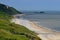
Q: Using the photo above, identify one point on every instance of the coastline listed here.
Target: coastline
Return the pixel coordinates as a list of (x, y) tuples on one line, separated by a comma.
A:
[(44, 34), (39, 26)]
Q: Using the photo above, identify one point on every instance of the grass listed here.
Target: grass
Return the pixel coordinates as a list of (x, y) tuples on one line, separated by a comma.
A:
[(12, 31)]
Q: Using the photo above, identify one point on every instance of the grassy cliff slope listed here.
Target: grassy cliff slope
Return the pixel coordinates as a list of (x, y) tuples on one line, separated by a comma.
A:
[(12, 31)]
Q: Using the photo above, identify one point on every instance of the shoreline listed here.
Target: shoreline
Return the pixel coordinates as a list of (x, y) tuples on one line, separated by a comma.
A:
[(43, 33), (44, 27)]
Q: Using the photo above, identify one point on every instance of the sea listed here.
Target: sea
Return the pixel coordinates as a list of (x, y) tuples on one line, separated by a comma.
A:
[(50, 20)]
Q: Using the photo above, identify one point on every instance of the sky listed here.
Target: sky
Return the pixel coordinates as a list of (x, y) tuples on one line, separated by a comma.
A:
[(33, 4)]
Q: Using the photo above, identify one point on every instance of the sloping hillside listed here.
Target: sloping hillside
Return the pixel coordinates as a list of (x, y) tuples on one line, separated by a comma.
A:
[(7, 9), (12, 31)]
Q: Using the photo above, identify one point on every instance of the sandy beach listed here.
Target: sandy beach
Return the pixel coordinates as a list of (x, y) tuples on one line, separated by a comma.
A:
[(43, 33)]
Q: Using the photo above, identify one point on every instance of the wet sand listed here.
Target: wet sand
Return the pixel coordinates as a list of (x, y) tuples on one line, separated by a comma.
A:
[(43, 33)]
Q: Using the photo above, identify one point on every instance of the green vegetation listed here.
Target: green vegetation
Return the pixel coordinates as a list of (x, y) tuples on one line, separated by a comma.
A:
[(9, 10), (12, 31)]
